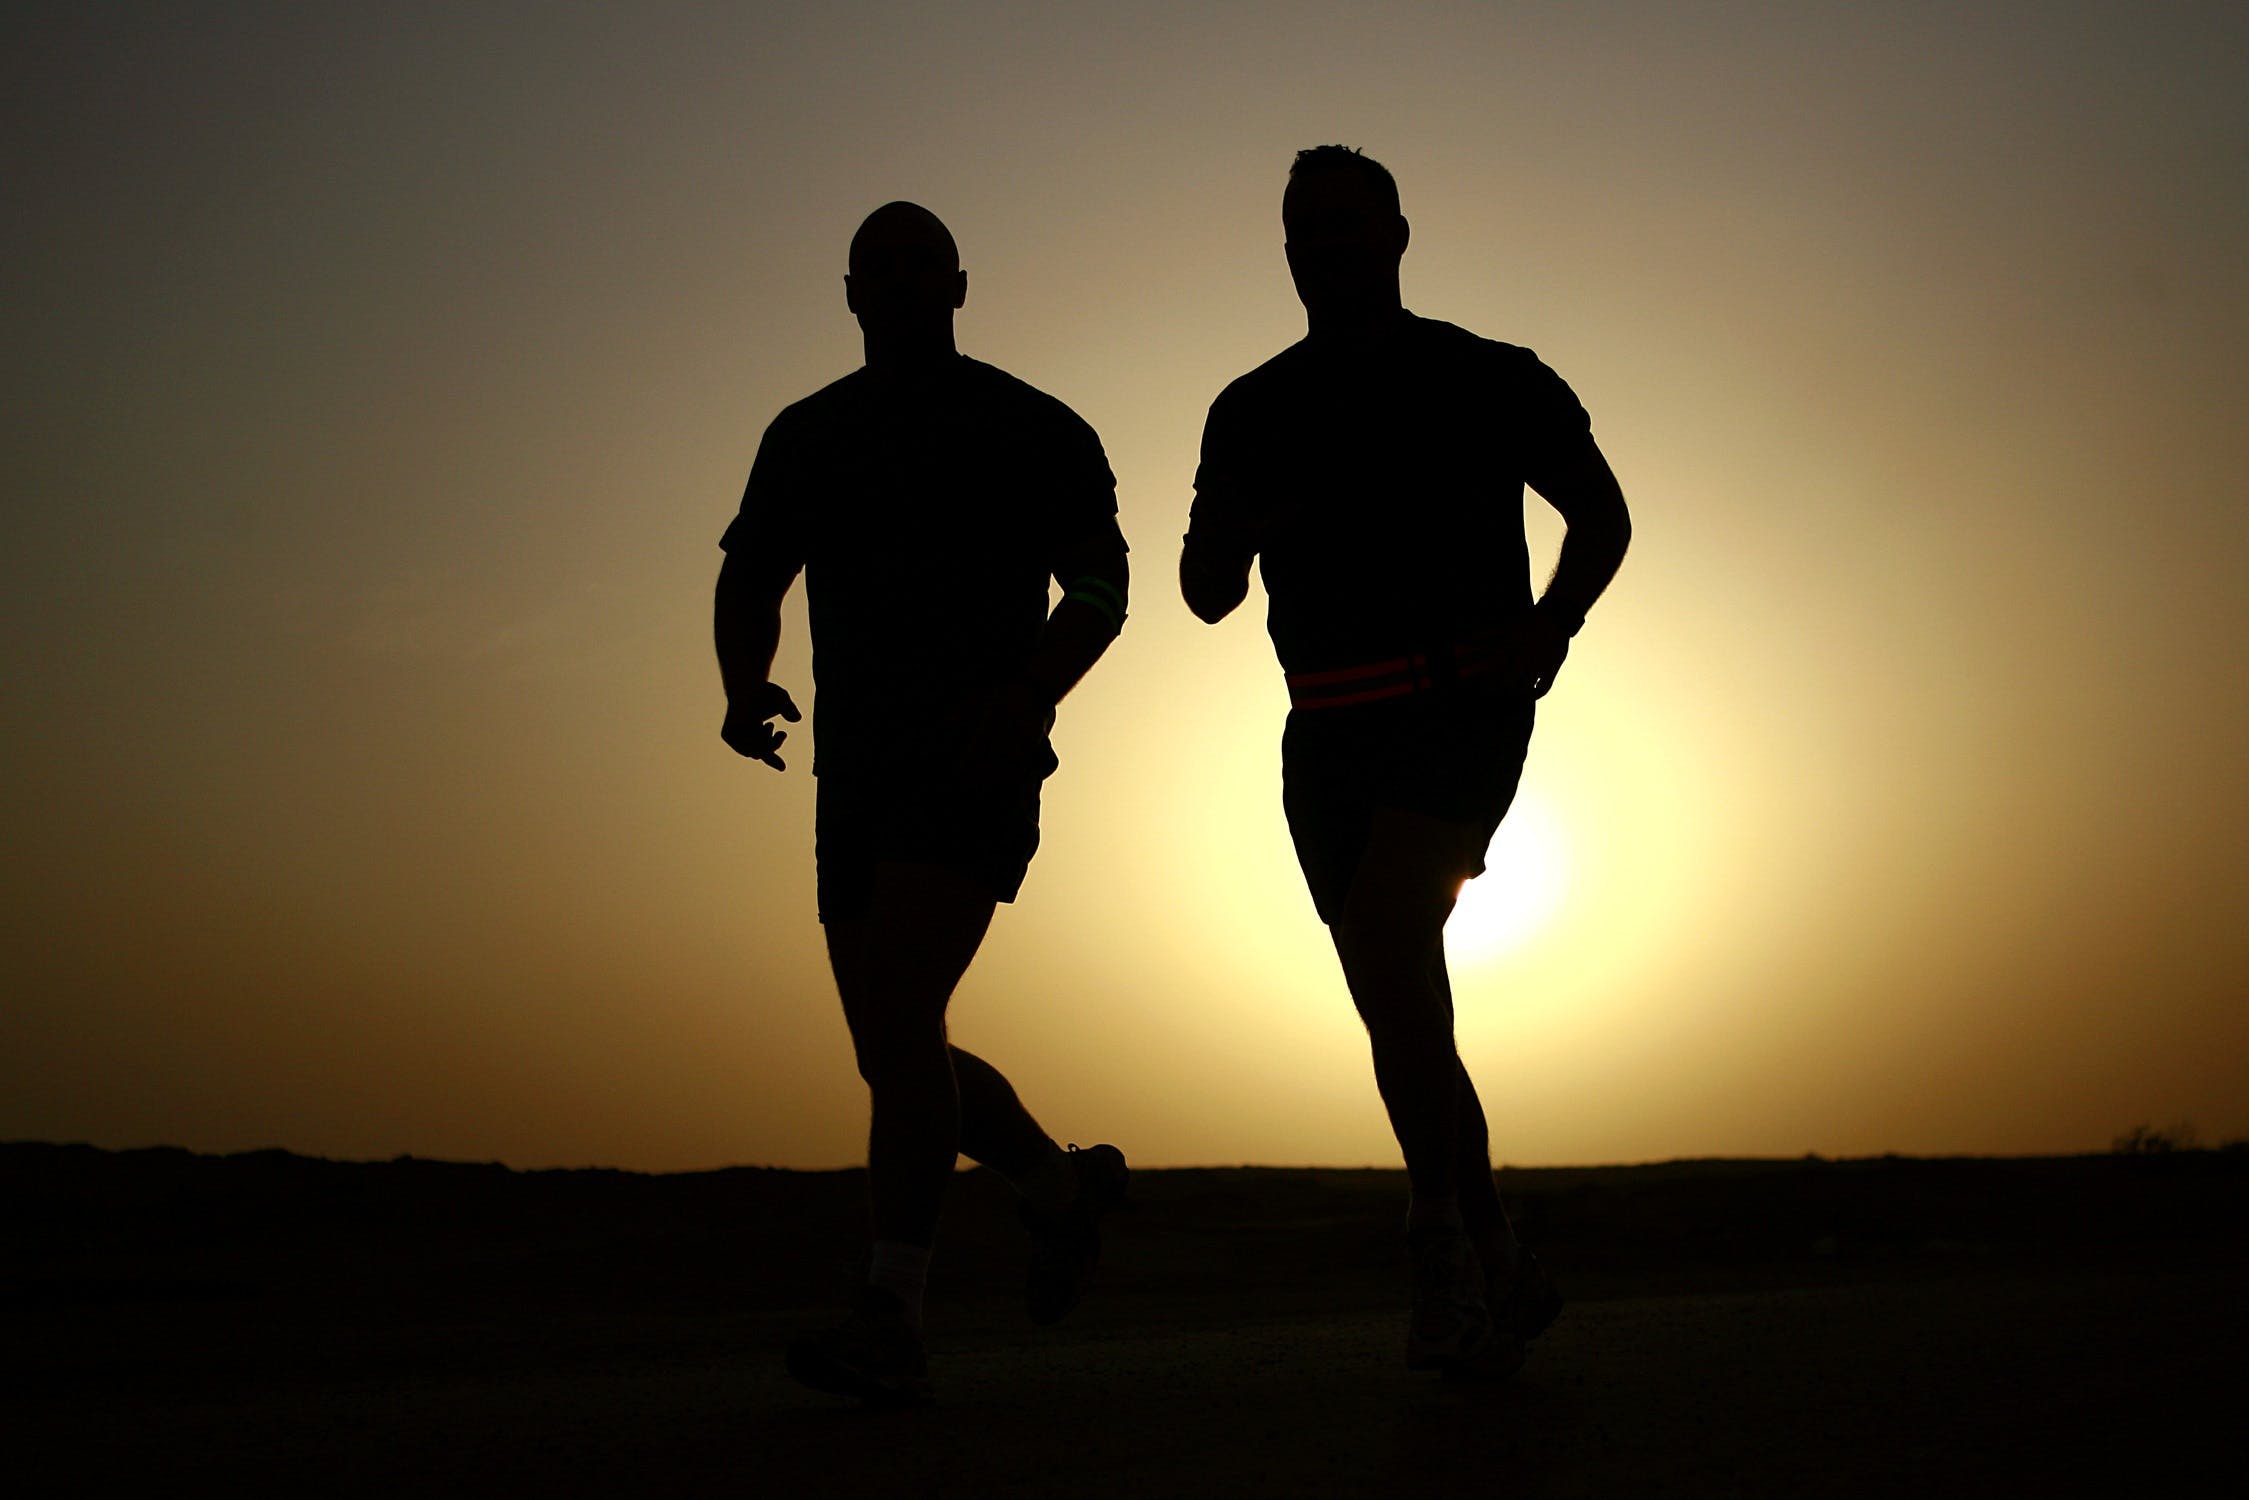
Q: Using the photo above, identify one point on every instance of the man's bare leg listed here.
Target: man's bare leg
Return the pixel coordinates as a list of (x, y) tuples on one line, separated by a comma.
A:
[(1390, 938), (996, 1130), (896, 969), (1480, 1210), (1520, 1297)]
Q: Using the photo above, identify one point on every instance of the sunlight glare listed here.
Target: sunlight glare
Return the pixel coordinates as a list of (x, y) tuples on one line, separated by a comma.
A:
[(1524, 878)]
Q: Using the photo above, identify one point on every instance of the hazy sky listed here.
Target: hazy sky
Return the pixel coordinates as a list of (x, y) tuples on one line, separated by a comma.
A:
[(379, 379)]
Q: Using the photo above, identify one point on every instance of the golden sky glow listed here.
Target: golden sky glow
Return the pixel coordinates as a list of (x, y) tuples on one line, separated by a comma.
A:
[(381, 378)]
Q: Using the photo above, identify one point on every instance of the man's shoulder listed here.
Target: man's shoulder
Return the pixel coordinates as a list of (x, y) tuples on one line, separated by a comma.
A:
[(1270, 380), (837, 401), (1454, 341), (996, 386)]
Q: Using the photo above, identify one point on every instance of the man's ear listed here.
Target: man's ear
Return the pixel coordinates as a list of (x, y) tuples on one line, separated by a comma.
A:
[(850, 298), (1405, 234), (960, 289)]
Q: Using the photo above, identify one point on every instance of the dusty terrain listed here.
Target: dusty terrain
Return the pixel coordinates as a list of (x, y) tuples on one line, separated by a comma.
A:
[(1788, 1328)]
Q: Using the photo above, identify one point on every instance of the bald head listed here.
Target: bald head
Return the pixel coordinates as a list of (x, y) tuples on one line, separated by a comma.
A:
[(902, 228), (905, 281), (1345, 235)]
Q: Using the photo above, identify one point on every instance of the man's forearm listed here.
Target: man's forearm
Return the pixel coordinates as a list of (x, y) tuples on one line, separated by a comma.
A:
[(1584, 490), (1079, 630), (1592, 550), (746, 629)]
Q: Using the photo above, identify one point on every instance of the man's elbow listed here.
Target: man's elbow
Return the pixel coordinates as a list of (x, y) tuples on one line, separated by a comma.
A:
[(1602, 519)]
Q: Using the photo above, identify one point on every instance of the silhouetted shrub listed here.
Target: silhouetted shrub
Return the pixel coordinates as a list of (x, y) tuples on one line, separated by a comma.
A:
[(2146, 1140)]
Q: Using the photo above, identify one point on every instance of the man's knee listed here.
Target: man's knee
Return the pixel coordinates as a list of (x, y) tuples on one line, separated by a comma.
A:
[(890, 1048)]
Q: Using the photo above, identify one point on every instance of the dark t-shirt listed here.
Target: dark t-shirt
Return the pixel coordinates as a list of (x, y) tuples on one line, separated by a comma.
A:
[(1382, 488), (928, 518)]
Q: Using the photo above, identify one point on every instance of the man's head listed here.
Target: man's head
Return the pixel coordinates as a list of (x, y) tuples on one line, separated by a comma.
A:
[(905, 277), (1345, 232)]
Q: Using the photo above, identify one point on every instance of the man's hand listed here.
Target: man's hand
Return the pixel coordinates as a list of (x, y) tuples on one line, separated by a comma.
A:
[(1542, 645), (748, 728)]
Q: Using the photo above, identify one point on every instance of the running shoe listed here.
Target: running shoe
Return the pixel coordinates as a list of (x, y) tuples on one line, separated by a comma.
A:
[(875, 1355), (1066, 1242), (1449, 1316), (1527, 1309), (1532, 1302)]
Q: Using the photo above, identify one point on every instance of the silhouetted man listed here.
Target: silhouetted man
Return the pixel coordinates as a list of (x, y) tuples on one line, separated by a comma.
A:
[(928, 498), (1377, 469)]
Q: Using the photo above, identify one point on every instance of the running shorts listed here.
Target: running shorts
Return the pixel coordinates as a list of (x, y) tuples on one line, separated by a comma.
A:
[(1455, 754), (984, 829)]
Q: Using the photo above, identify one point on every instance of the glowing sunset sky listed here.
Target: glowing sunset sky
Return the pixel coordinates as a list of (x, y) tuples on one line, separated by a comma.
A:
[(380, 378)]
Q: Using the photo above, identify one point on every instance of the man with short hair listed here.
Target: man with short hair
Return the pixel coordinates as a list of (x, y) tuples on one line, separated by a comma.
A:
[(928, 498), (1376, 468)]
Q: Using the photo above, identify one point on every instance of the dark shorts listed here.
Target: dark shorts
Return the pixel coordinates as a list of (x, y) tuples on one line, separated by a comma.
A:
[(984, 830), (1456, 756)]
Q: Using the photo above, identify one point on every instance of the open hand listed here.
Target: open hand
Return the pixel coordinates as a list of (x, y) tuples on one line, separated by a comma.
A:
[(748, 729)]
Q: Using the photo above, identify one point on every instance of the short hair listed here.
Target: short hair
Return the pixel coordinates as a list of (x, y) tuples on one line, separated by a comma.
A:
[(1317, 160)]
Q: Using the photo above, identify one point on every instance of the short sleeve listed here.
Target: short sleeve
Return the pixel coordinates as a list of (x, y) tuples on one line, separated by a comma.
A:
[(771, 525), (1081, 489), (1222, 513), (1553, 422)]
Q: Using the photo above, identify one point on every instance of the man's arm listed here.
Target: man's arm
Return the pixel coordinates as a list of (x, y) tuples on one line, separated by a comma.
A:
[(1095, 579), (1227, 523), (746, 627), (1598, 529), (1015, 722)]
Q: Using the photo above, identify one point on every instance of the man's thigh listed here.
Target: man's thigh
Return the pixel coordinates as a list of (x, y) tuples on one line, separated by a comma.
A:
[(1407, 879), (1417, 773), (900, 961)]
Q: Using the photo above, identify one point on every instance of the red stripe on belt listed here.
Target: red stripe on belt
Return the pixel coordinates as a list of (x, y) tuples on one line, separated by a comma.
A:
[(1399, 677)]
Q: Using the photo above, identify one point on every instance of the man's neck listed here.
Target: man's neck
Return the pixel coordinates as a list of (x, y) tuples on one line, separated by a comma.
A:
[(904, 357), (1360, 326)]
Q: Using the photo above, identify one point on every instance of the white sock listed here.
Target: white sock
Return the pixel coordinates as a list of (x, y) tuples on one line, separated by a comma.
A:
[(903, 1271), (1053, 1183), (1433, 1211)]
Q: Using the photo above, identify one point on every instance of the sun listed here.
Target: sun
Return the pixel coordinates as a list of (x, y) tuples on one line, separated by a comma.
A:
[(1525, 874)]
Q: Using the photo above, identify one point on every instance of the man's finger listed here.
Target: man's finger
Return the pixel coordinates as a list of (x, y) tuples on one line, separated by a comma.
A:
[(774, 761), (789, 709)]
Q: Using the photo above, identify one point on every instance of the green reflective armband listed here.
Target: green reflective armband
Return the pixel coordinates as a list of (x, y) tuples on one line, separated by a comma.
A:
[(1101, 595)]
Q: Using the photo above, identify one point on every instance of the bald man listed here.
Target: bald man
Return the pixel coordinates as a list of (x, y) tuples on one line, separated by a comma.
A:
[(1375, 471), (929, 499)]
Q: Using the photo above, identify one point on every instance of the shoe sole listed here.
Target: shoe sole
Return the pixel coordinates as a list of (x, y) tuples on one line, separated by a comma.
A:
[(813, 1368), (1488, 1363), (1531, 1318), (1443, 1356)]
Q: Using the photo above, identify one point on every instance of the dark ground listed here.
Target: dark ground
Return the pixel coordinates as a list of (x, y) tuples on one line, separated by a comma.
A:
[(273, 1323)]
